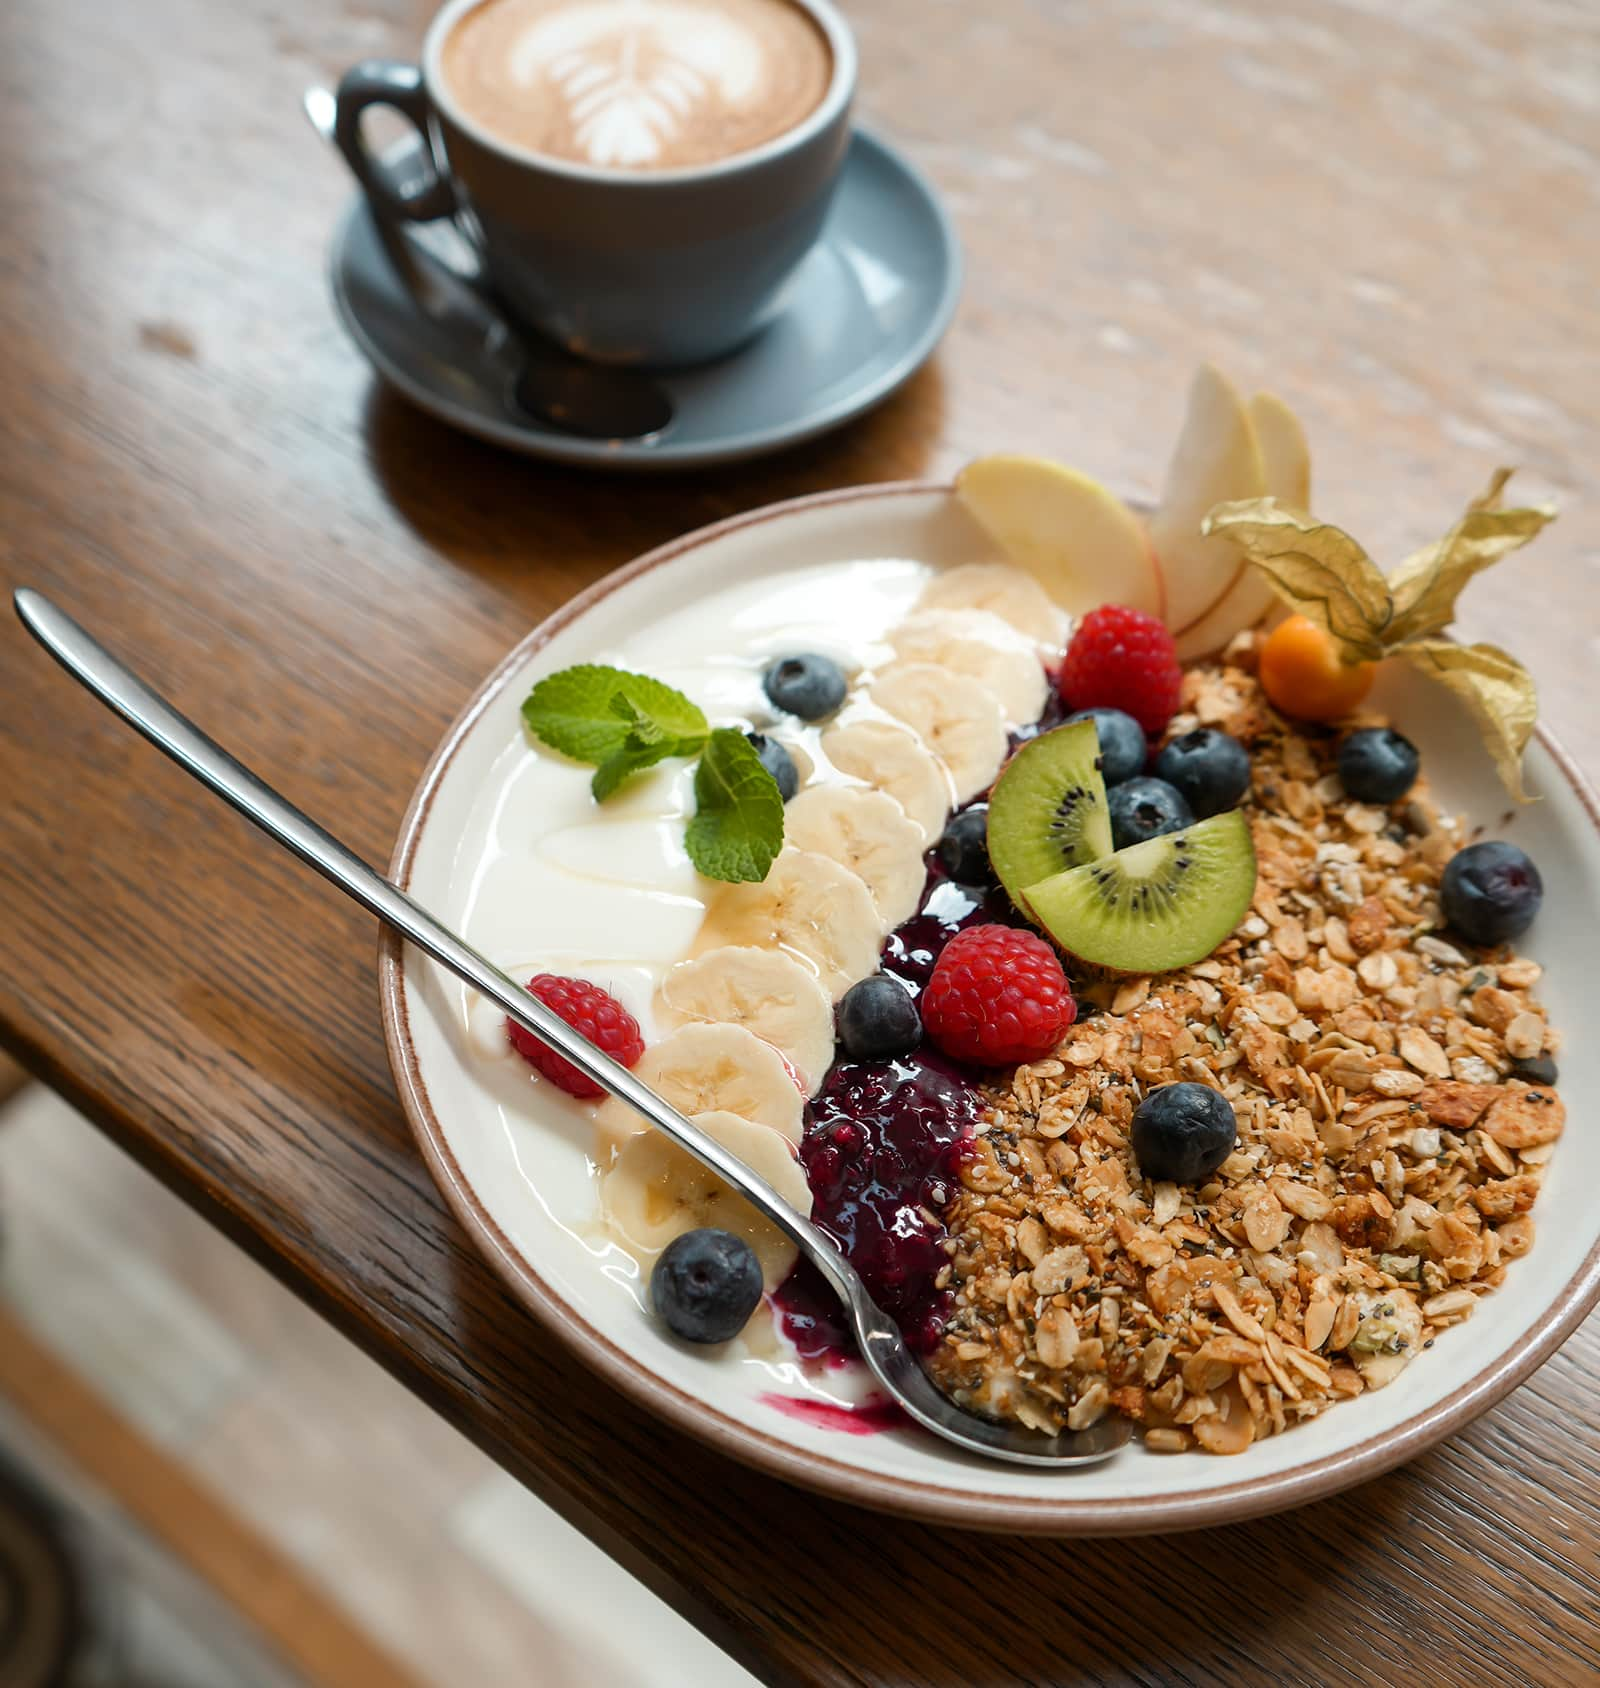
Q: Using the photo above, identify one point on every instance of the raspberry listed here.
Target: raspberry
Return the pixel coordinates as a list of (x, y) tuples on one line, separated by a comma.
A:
[(588, 1009), (997, 995), (1122, 659)]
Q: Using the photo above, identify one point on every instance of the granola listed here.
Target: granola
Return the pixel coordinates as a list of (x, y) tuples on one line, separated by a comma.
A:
[(1387, 1162)]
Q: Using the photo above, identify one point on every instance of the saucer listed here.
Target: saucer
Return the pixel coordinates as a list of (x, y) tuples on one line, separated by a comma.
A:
[(861, 315)]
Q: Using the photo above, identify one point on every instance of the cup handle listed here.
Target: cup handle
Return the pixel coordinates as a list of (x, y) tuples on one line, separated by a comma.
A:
[(391, 83)]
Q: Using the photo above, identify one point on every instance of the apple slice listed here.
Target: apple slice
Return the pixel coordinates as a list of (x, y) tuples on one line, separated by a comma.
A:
[(1216, 459), (1079, 541), (1286, 465), (1285, 455)]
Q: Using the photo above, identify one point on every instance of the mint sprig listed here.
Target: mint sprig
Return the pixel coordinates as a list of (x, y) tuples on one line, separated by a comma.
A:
[(589, 712), (621, 723), (648, 741), (634, 756)]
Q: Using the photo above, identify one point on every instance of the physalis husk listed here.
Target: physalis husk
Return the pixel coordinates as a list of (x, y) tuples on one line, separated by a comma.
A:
[(1323, 573)]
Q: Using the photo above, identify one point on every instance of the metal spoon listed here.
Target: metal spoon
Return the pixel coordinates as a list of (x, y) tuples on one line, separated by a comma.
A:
[(877, 1335), (535, 375)]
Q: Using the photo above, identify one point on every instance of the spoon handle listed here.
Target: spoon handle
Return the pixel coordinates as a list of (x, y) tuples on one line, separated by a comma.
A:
[(116, 686)]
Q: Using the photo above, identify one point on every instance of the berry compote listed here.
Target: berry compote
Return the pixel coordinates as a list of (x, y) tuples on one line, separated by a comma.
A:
[(885, 1139), (883, 1142), (947, 907)]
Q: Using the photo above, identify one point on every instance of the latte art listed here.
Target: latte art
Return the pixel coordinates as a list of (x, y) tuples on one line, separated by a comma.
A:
[(638, 84), (633, 74)]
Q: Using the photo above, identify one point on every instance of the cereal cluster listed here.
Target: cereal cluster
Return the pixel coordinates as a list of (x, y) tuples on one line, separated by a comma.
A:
[(1389, 1151)]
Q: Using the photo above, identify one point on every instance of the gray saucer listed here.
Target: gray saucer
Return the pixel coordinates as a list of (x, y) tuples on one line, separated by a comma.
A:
[(862, 314)]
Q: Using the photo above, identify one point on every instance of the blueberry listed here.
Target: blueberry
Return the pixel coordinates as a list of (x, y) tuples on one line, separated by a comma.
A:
[(877, 1018), (1121, 743), (1536, 1069), (706, 1285), (1209, 768), (1377, 765), (806, 685), (778, 762), (1145, 808), (1490, 892), (964, 848), (1183, 1132)]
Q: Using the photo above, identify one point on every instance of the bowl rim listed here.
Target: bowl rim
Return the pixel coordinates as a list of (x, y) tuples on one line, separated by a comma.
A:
[(1048, 1514)]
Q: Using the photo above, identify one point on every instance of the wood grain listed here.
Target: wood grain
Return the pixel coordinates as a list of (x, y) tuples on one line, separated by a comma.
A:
[(12, 1078), (1388, 213), (253, 1577)]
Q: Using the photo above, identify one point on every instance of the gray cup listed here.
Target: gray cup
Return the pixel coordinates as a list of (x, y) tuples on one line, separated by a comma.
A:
[(656, 267)]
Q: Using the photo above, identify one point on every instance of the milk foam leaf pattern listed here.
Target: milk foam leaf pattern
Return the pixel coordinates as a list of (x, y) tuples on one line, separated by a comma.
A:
[(1426, 585), (737, 828), (1497, 690), (590, 711), (1314, 566), (631, 74)]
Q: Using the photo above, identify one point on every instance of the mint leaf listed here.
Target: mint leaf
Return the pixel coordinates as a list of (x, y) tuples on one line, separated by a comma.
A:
[(640, 726), (647, 743), (571, 712), (636, 754), (590, 711), (738, 824), (645, 699)]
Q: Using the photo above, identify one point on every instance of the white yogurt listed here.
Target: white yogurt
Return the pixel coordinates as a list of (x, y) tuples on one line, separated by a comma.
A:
[(548, 880)]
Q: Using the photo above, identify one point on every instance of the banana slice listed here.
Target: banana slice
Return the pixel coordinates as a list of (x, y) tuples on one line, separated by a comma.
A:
[(980, 644), (808, 905), (892, 759), (763, 990), (867, 833), (701, 1068), (656, 1191), (1004, 590), (958, 719)]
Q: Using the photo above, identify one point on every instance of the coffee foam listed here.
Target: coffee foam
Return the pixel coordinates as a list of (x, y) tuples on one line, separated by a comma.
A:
[(638, 84)]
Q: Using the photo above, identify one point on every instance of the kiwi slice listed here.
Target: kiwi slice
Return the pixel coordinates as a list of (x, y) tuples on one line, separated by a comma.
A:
[(1048, 811), (1153, 906)]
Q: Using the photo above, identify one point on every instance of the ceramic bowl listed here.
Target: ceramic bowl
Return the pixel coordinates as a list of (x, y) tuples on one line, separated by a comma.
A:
[(511, 1158)]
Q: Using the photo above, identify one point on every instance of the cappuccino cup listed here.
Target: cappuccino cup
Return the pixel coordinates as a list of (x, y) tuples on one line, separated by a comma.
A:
[(639, 178)]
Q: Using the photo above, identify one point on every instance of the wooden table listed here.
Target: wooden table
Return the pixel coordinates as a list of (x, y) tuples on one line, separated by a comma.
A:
[(1386, 212)]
